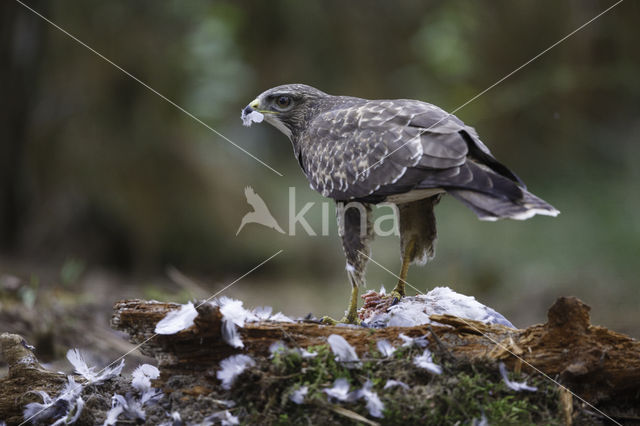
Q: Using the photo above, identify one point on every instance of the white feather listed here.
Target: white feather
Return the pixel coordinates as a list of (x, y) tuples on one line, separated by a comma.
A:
[(177, 320), (425, 361), (298, 395), (344, 352), (385, 348), (232, 367), (516, 386)]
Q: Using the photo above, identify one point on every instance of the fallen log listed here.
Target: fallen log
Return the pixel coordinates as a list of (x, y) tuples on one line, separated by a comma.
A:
[(594, 362), (25, 376), (600, 366)]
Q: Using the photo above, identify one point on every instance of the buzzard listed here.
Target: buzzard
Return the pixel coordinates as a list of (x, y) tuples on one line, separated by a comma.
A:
[(401, 151)]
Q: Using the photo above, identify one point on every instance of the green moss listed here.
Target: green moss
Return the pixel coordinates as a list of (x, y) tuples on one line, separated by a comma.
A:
[(463, 391)]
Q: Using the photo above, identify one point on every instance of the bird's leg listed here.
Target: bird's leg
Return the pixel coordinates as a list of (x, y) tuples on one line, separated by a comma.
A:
[(399, 290), (351, 315), (354, 226)]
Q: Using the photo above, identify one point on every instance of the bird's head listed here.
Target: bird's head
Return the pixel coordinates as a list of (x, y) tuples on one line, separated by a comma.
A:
[(286, 107)]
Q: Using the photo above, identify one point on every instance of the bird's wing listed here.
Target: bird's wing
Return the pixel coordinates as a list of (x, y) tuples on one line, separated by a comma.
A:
[(379, 148)]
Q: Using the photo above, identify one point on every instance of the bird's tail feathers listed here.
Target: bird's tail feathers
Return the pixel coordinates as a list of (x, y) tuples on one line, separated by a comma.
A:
[(491, 207)]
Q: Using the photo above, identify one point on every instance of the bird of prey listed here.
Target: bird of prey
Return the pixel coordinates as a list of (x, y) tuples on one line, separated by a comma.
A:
[(260, 213), (401, 151)]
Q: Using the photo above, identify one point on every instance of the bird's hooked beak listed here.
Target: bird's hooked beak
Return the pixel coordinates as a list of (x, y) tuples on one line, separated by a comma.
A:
[(253, 106), (251, 113)]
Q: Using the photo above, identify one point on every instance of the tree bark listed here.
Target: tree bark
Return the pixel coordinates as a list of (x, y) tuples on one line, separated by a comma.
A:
[(592, 361), (599, 365)]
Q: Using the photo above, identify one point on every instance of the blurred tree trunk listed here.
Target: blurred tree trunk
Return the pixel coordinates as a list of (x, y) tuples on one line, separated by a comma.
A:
[(21, 47)]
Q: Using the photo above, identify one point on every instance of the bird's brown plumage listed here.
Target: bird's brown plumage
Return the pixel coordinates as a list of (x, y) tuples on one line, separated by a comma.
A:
[(404, 151)]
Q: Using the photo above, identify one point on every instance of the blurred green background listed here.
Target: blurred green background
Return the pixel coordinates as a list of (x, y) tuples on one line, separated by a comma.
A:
[(103, 184)]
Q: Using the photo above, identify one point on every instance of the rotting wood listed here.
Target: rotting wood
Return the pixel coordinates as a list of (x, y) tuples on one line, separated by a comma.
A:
[(26, 375), (598, 364), (593, 361)]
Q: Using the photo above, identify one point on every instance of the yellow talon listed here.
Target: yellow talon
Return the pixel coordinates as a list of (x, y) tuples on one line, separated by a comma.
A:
[(352, 314)]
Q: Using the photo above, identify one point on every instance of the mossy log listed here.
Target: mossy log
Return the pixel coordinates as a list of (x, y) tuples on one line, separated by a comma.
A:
[(599, 365), (596, 363)]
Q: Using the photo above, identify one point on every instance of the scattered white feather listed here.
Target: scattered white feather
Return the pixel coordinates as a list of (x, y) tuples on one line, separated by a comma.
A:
[(340, 391), (419, 342), (229, 403), (149, 395), (343, 351), (383, 291), (480, 422), (232, 310), (280, 317), (65, 409), (73, 415), (425, 361), (110, 372), (232, 367), (112, 415), (252, 117), (263, 312), (224, 417), (374, 405), (71, 389), (142, 376), (277, 347), (80, 366), (231, 335), (306, 354), (298, 395), (392, 383), (177, 320), (176, 420), (385, 348), (141, 381), (39, 411), (129, 406), (280, 347), (516, 386), (233, 315)]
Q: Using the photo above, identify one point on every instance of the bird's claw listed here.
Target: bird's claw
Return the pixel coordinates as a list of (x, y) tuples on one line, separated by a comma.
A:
[(328, 320), (345, 320), (396, 296)]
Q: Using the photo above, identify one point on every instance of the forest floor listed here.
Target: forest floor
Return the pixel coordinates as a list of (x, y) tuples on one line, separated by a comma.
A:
[(447, 372)]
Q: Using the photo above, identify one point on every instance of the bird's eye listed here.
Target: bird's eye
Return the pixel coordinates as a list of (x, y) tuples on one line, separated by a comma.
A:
[(283, 101)]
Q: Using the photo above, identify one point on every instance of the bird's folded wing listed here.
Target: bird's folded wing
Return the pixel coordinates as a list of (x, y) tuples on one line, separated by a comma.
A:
[(354, 152)]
